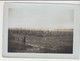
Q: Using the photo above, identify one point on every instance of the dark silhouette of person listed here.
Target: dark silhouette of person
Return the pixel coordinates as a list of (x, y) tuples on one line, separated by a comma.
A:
[(24, 40)]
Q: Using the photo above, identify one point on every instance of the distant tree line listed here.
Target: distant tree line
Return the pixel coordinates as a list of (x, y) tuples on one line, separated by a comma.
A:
[(41, 33)]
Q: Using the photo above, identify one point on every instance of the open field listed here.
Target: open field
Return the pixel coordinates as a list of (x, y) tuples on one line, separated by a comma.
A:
[(35, 41)]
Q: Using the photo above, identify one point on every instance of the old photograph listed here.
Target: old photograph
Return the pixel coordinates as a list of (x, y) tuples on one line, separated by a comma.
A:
[(40, 28)]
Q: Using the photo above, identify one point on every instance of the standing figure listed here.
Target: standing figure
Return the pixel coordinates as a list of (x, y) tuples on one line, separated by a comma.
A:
[(24, 40)]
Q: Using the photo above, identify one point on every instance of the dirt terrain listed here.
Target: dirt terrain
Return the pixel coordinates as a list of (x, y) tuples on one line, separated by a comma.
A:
[(58, 41)]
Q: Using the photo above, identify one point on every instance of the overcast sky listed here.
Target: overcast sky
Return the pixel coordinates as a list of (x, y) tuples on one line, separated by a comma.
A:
[(41, 17)]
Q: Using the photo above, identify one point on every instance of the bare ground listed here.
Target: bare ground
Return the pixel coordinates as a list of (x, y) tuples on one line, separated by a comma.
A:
[(47, 42)]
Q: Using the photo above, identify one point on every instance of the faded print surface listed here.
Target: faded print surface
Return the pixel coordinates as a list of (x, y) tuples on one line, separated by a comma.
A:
[(40, 28)]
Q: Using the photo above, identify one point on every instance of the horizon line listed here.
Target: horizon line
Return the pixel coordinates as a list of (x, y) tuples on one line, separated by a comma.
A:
[(41, 29)]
